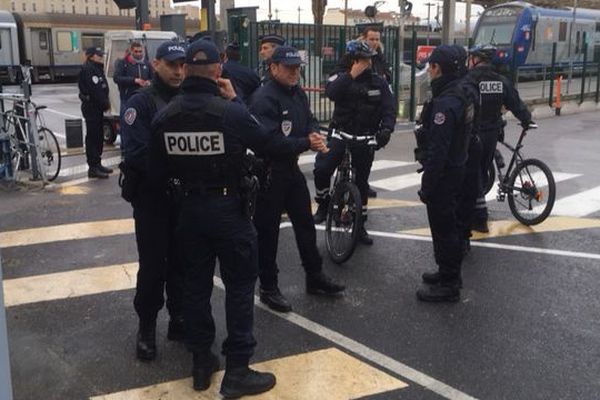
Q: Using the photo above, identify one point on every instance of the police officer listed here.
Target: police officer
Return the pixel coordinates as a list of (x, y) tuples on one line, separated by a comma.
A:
[(495, 91), (93, 93), (268, 44), (364, 105), (154, 212), (282, 107), (200, 140), (443, 140), (132, 73), (244, 79)]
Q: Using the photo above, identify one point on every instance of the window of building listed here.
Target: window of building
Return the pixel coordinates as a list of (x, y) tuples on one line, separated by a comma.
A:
[(63, 9), (87, 11), (74, 10), (97, 11), (52, 7), (63, 41), (163, 4), (106, 11), (562, 32), (34, 7), (24, 7)]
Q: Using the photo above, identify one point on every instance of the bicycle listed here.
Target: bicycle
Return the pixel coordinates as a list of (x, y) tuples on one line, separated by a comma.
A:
[(16, 123), (344, 215), (528, 184)]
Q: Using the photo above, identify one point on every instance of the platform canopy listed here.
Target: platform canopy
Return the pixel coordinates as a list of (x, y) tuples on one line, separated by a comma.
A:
[(547, 3)]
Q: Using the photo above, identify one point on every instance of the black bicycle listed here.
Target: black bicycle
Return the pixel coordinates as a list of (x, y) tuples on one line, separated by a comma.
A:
[(344, 216), (528, 184)]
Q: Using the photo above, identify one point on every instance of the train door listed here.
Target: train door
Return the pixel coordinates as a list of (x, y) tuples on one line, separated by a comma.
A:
[(41, 53), (6, 56)]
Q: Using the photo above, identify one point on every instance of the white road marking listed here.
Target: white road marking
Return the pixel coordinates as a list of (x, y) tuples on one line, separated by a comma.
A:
[(51, 110), (386, 164), (307, 159), (578, 205), (82, 168), (558, 177), (398, 182)]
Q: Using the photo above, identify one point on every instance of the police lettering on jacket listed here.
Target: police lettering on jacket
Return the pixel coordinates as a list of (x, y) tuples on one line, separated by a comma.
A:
[(194, 143)]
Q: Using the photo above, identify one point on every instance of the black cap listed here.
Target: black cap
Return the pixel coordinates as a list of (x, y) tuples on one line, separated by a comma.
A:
[(449, 57), (205, 46), (171, 50), (90, 51), (286, 55), (272, 38)]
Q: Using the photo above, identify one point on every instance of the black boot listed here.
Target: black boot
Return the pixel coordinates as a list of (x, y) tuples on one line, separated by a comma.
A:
[(321, 214), (466, 247), (146, 341), (104, 169), (440, 292), (95, 172), (275, 300), (204, 366), (363, 236), (372, 193), (480, 225), (244, 381), (433, 278), (176, 330), (320, 283)]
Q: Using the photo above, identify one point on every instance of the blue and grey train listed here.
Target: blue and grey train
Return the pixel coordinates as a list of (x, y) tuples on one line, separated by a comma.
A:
[(527, 33)]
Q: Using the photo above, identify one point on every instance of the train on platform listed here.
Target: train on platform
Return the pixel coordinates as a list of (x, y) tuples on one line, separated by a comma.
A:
[(524, 34), (54, 44)]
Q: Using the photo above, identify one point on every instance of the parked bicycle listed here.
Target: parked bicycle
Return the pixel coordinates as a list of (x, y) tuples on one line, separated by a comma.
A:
[(344, 216), (528, 183), (16, 122)]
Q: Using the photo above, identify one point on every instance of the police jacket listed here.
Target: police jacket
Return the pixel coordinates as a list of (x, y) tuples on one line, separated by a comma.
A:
[(496, 91), (202, 138), (447, 121), (380, 65), (93, 88), (127, 70), (362, 105), (137, 118), (245, 80), (283, 111)]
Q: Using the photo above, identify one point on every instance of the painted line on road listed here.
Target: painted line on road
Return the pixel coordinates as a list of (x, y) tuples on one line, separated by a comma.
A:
[(64, 114), (83, 168), (322, 374), (398, 182), (580, 204), (558, 177)]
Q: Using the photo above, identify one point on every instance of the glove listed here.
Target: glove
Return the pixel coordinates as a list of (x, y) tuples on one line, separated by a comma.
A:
[(383, 137)]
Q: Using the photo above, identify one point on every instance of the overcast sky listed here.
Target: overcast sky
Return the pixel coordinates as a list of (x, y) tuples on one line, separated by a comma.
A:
[(287, 10)]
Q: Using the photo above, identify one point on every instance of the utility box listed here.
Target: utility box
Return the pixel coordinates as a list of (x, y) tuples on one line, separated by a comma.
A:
[(74, 132)]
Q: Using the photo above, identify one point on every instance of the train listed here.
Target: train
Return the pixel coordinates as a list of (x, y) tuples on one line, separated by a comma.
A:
[(524, 34), (54, 44)]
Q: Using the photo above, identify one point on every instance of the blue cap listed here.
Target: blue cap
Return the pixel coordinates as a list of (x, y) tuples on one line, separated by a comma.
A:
[(90, 51), (233, 46), (272, 38), (449, 57), (207, 47), (171, 50), (286, 55)]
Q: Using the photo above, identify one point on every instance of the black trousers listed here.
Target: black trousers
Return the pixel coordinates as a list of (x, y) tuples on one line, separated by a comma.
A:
[(155, 216), (288, 192), (489, 140), (443, 221), (94, 140), (471, 188), (326, 163), (211, 226)]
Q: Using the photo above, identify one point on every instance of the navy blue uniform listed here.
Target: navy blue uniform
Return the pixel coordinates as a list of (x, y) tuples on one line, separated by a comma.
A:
[(363, 106), (495, 91), (245, 80), (201, 141), (380, 65), (154, 212), (283, 112), (93, 92), (443, 145), (127, 70)]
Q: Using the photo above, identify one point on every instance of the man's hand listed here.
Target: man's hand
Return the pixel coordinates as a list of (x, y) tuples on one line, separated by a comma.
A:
[(141, 82), (359, 66), (317, 143), (226, 88), (383, 137)]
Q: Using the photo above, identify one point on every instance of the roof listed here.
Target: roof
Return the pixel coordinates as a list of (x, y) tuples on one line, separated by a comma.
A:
[(595, 4)]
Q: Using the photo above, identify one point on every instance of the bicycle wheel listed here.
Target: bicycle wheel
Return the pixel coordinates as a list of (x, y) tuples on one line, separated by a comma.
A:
[(49, 152), (531, 192), (490, 177), (343, 222)]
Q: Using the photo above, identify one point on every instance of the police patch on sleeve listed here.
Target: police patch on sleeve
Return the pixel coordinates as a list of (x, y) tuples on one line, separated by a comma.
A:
[(332, 78), (286, 127), (95, 79), (129, 116), (439, 118)]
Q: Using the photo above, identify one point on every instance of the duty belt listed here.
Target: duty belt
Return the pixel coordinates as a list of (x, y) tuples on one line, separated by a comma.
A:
[(221, 191)]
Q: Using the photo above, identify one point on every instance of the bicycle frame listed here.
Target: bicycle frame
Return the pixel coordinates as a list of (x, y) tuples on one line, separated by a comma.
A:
[(503, 187)]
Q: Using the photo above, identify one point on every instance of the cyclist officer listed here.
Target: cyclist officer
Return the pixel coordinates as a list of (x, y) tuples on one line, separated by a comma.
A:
[(199, 139), (495, 91), (282, 107), (364, 105), (93, 93), (443, 140)]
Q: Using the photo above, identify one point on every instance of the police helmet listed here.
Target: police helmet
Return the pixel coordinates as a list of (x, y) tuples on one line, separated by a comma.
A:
[(359, 49), (485, 52)]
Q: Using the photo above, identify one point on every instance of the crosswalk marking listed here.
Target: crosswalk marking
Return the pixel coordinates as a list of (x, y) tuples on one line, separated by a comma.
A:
[(578, 205), (398, 182), (69, 284), (307, 159), (82, 168), (379, 165), (513, 227), (558, 177), (323, 374), (81, 230)]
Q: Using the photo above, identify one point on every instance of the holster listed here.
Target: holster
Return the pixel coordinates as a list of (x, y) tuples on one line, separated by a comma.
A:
[(249, 187), (129, 181)]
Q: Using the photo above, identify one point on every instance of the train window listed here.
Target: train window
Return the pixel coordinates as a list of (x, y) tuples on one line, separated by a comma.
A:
[(92, 40), (562, 32), (43, 39), (64, 42)]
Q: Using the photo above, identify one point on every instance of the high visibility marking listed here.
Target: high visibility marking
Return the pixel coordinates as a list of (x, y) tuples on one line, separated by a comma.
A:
[(81, 230), (323, 374), (398, 182)]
